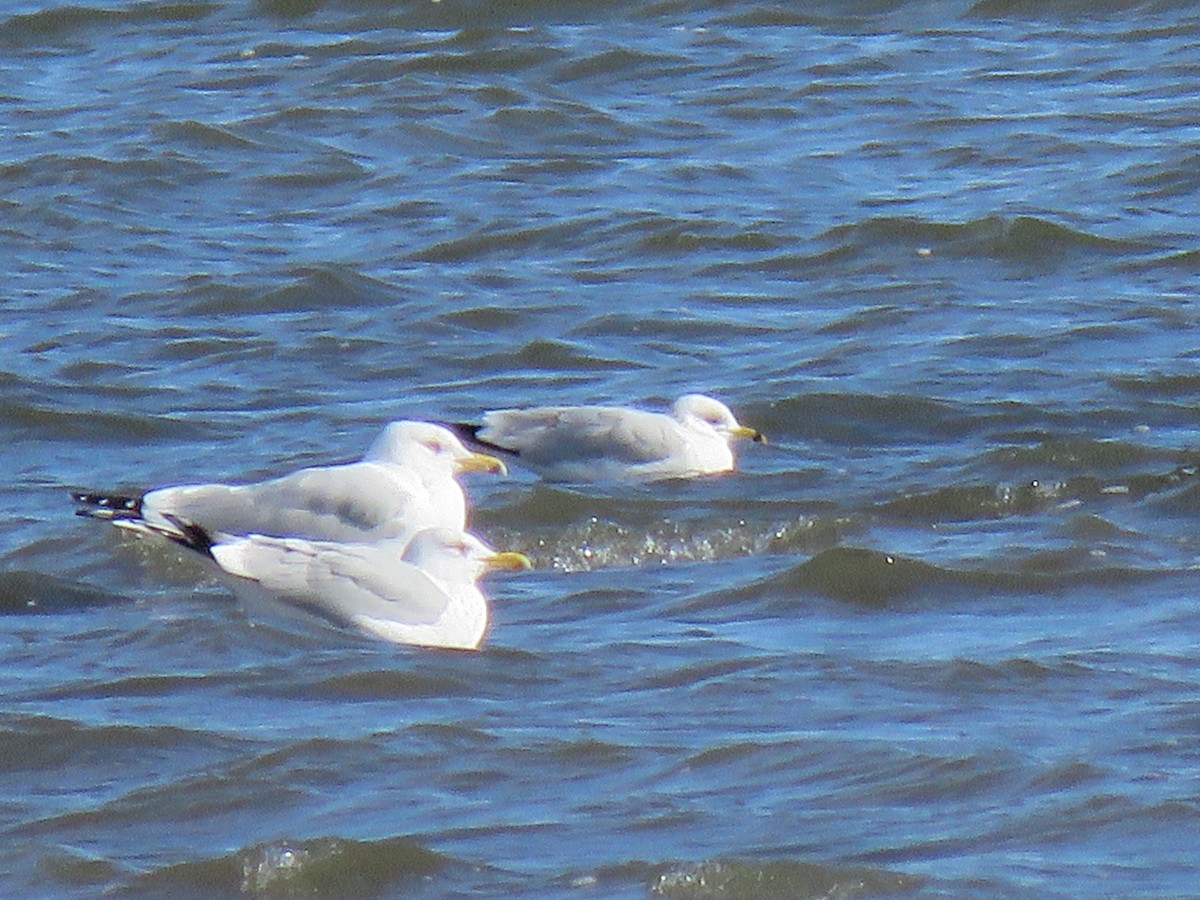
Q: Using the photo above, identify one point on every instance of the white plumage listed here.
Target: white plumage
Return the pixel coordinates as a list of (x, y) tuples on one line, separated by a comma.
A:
[(405, 483), (425, 593), (611, 443)]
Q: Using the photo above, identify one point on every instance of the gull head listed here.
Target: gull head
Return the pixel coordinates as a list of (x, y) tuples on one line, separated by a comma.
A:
[(704, 413), (430, 447), (452, 555)]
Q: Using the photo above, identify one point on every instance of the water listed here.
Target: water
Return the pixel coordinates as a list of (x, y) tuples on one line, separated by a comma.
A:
[(936, 640)]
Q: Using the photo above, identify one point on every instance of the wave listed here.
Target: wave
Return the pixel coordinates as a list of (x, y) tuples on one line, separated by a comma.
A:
[(1069, 9), (308, 289), (328, 867), (23, 419), (28, 593), (1028, 241), (985, 501), (776, 879), (878, 579), (67, 22)]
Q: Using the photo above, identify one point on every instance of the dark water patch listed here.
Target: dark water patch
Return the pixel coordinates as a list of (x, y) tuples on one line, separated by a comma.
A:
[(1075, 453), (776, 880), (135, 686), (375, 685), (140, 177), (885, 318), (559, 167), (475, 17), (328, 169), (73, 867), (562, 127), (207, 136), (474, 59), (326, 867), (864, 577), (67, 24), (505, 241), (920, 779), (876, 579), (1184, 503), (1167, 180), (1019, 239), (687, 239), (1066, 777), (681, 328), (1127, 466), (693, 675), (154, 812), (104, 378), (485, 319), (582, 757), (966, 503), (549, 355), (859, 420), (970, 677), (26, 421), (311, 289), (30, 593), (185, 349), (43, 743), (852, 16), (1168, 385), (1028, 242), (1071, 10), (1176, 262), (623, 62)]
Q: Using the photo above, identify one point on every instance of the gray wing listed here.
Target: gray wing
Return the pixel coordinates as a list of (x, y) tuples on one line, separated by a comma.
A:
[(344, 503), (339, 581), (572, 434)]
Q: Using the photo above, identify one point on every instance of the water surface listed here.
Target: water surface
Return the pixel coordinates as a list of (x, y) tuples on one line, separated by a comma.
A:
[(936, 639)]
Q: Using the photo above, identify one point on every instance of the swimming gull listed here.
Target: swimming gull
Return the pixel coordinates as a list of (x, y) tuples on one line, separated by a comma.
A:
[(404, 483), (425, 593), (610, 443)]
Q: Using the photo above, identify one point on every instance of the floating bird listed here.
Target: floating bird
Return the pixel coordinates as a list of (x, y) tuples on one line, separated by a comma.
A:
[(425, 593), (404, 484), (610, 443)]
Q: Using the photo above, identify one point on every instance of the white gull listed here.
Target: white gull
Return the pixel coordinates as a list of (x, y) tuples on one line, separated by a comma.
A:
[(612, 443)]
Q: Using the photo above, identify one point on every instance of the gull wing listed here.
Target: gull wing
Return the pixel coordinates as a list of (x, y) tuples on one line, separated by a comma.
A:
[(360, 501), (341, 581), (574, 434)]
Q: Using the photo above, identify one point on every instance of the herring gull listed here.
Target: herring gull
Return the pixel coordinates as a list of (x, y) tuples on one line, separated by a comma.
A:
[(610, 443), (405, 483), (425, 593)]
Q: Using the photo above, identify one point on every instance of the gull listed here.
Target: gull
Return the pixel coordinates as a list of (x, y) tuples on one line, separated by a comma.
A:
[(405, 483), (611, 443), (424, 593)]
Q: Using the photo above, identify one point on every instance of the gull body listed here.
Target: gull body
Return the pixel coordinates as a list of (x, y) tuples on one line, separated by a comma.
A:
[(405, 483), (611, 443), (424, 593)]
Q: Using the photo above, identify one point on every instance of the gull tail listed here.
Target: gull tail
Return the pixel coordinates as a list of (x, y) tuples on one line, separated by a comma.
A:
[(125, 511)]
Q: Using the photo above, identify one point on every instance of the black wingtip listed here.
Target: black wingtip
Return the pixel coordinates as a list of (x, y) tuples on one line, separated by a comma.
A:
[(469, 434), (464, 431), (107, 506), (190, 535)]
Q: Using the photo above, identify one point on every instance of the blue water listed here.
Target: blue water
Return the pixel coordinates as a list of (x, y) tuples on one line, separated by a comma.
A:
[(936, 639)]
